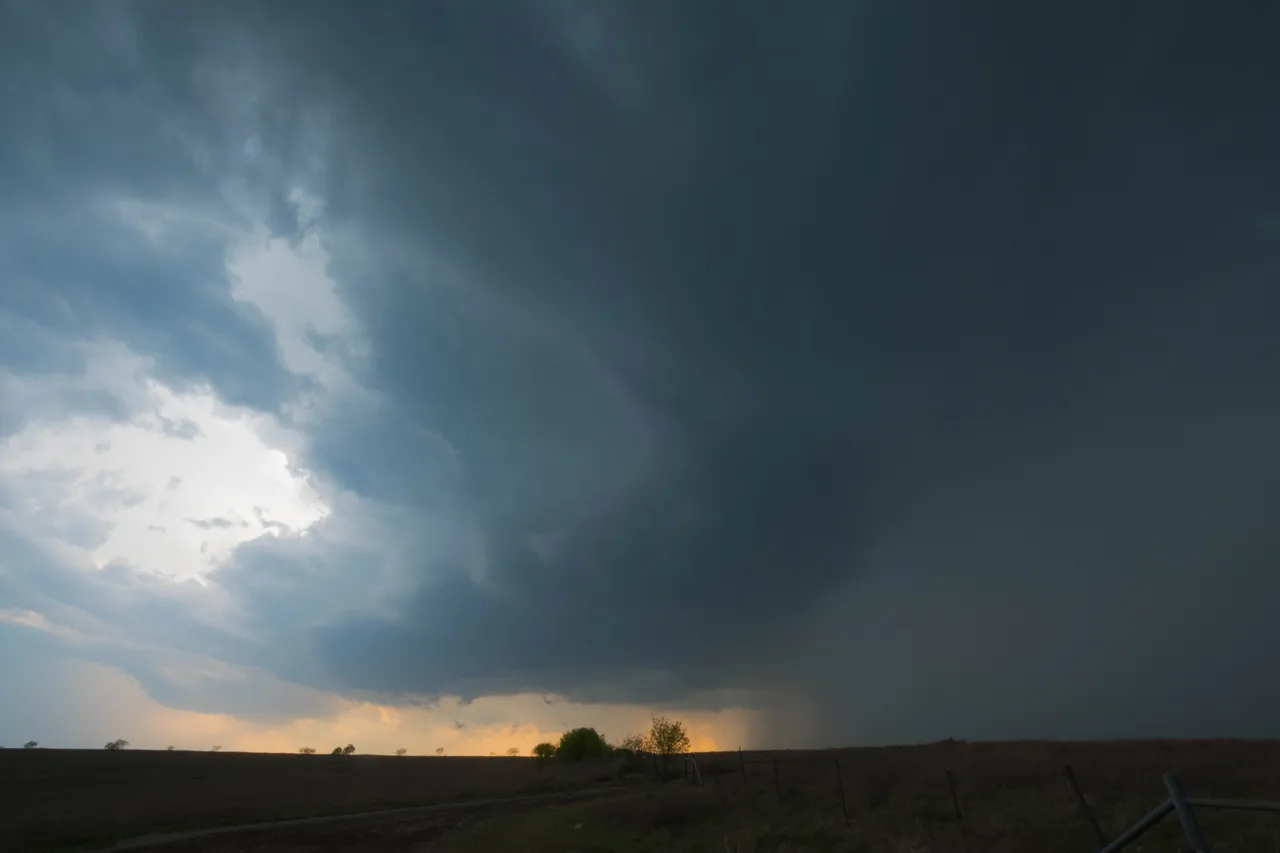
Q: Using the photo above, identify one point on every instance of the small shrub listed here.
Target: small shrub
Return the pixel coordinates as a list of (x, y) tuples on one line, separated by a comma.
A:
[(402, 751), (30, 745), (307, 750), (116, 745)]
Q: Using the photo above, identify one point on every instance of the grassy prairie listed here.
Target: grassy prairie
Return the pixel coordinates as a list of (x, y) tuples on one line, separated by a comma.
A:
[(1013, 796), (55, 797)]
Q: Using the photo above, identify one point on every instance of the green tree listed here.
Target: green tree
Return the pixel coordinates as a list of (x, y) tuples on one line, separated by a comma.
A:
[(667, 737), (30, 745), (544, 750), (117, 745), (582, 744)]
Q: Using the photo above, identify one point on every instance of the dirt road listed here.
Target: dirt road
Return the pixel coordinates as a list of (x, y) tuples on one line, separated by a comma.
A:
[(392, 831)]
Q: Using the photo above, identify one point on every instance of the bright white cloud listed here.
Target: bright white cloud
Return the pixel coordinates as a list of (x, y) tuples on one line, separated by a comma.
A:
[(171, 491), (291, 286)]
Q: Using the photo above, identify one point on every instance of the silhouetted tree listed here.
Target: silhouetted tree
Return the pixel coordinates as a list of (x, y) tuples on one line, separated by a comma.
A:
[(117, 745), (168, 749), (667, 737), (581, 744), (439, 750), (307, 750), (216, 747), (633, 743), (401, 751), (633, 750), (544, 750), (30, 745), (513, 751)]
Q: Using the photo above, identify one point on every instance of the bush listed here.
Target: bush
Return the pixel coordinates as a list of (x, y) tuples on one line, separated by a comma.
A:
[(307, 750), (544, 750), (116, 745), (30, 745), (402, 751), (582, 745)]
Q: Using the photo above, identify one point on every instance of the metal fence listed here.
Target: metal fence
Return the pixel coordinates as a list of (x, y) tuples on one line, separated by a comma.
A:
[(1185, 807)]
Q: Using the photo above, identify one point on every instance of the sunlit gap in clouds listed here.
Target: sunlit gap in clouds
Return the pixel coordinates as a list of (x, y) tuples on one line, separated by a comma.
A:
[(178, 485), (173, 491)]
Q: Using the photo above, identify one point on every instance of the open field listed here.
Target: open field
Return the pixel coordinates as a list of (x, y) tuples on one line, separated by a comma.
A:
[(55, 797), (1012, 795)]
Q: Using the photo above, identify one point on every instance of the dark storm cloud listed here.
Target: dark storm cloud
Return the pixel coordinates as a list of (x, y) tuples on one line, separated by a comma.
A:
[(916, 349), (724, 298), (99, 114)]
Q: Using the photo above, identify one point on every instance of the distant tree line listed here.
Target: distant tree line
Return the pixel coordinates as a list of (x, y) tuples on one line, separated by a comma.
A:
[(664, 738)]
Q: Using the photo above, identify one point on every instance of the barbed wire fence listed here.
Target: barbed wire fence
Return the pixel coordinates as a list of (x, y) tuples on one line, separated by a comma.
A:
[(761, 778)]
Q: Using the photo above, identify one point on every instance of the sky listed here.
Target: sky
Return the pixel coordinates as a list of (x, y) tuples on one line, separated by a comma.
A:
[(447, 374)]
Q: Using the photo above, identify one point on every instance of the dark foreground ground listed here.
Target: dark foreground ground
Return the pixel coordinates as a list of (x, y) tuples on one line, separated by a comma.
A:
[(72, 799), (399, 832), (1012, 797)]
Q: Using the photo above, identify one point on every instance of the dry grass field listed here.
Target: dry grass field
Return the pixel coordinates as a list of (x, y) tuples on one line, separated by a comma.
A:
[(51, 798), (1013, 798)]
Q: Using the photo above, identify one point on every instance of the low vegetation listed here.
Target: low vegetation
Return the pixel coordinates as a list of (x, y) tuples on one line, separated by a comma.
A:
[(664, 738), (1013, 798), (116, 745)]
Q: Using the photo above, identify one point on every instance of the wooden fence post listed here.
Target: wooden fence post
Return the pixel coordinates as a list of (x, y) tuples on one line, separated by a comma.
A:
[(1084, 805), (955, 801), (840, 787)]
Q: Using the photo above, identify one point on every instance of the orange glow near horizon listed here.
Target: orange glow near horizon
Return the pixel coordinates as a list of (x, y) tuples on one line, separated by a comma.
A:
[(487, 725)]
